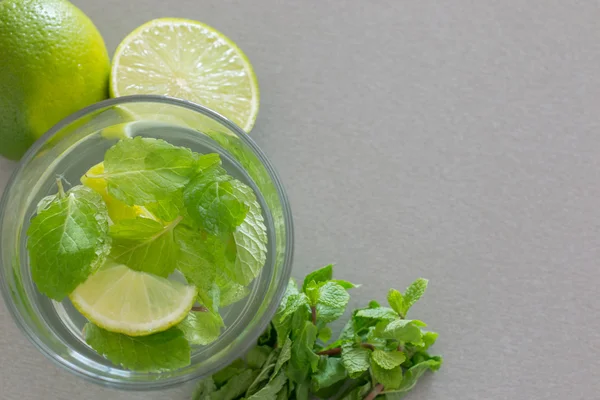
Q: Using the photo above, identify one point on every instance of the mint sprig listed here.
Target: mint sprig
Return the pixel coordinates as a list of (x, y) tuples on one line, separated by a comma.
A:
[(379, 353)]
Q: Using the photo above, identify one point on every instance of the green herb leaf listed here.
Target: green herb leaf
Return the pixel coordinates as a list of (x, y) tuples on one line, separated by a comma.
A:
[(204, 389), (303, 359), (197, 262), (325, 334), (202, 327), (156, 254), (136, 229), (345, 284), (284, 356), (413, 374), (170, 208), (404, 330), (429, 339), (269, 392), (249, 241), (396, 301), (231, 292), (332, 301), (67, 241), (390, 378), (159, 352), (236, 386), (257, 356), (292, 301), (235, 368), (213, 201), (143, 170), (266, 372), (356, 359), (387, 359), (413, 293), (379, 313), (359, 393), (331, 371), (320, 275)]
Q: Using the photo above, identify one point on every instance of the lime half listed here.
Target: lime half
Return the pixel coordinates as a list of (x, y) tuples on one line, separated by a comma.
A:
[(135, 303), (191, 61)]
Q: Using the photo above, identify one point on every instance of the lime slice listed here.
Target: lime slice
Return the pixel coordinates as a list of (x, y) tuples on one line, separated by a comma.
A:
[(135, 303), (191, 61)]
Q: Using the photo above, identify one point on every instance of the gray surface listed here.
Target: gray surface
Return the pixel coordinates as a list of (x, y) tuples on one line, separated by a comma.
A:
[(451, 139)]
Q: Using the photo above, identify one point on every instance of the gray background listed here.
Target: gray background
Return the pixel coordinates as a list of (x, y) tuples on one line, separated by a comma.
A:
[(456, 140)]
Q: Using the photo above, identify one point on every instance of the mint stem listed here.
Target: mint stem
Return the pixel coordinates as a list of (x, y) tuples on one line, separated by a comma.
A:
[(367, 346), (61, 190), (313, 311), (375, 392), (200, 309), (330, 352)]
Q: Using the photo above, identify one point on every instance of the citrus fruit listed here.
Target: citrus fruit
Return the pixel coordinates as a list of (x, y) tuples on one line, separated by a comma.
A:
[(119, 299), (191, 61), (53, 62)]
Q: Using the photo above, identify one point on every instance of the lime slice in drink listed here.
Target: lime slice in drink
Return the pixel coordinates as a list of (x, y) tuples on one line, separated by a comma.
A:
[(191, 61), (135, 303)]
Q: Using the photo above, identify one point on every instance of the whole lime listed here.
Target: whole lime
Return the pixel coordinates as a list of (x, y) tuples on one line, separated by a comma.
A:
[(53, 62)]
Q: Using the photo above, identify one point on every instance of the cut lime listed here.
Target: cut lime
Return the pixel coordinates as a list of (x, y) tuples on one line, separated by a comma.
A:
[(191, 61), (135, 303)]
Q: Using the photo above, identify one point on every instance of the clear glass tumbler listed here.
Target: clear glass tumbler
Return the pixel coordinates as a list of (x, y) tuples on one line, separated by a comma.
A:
[(67, 151)]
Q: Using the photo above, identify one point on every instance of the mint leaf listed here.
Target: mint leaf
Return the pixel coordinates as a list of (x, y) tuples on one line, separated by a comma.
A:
[(303, 358), (413, 293), (257, 356), (320, 275), (291, 302), (170, 208), (267, 366), (136, 229), (404, 330), (312, 293), (249, 240), (325, 334), (196, 261), (269, 392), (207, 161), (235, 368), (204, 389), (143, 170), (396, 301), (284, 356), (301, 392), (231, 292), (359, 393), (379, 313), (413, 374), (159, 352), (202, 327), (332, 301), (67, 240), (331, 371), (387, 359), (390, 378), (156, 254), (236, 386), (345, 284), (213, 202), (356, 359), (429, 339)]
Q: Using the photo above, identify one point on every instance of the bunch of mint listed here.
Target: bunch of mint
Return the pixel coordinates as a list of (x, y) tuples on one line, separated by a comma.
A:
[(155, 208), (378, 353)]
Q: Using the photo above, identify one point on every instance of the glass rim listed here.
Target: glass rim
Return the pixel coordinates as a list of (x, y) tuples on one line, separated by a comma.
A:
[(270, 309)]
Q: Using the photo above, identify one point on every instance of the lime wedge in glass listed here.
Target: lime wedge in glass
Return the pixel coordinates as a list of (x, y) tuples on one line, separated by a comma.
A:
[(191, 61), (119, 299)]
